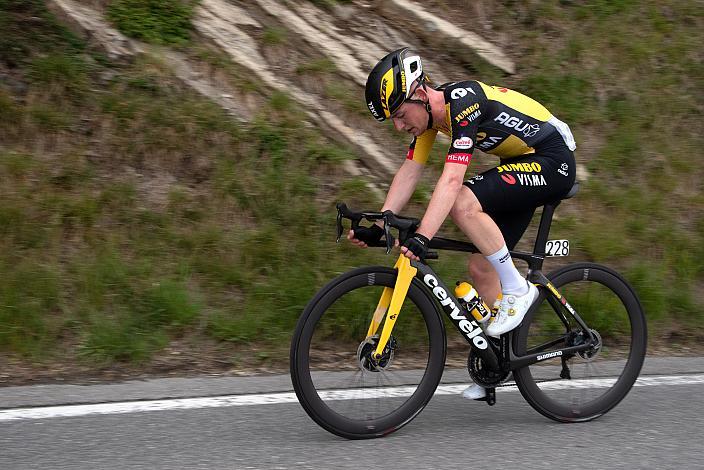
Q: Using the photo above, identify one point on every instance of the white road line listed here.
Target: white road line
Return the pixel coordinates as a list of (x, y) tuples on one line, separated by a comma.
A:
[(289, 397)]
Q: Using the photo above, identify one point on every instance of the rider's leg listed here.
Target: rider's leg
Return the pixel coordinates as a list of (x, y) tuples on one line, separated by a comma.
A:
[(484, 278), (467, 213), (517, 294), (509, 193)]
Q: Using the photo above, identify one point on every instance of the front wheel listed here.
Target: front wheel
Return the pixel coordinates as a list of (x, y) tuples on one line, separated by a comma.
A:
[(585, 385), (335, 377)]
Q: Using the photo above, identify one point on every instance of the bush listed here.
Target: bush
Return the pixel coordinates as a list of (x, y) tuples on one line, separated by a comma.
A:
[(155, 21)]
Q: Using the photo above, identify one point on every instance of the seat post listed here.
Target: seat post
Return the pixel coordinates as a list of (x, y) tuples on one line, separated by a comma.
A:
[(544, 228)]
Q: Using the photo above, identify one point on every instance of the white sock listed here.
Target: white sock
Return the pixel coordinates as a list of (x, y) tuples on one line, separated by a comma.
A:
[(511, 280)]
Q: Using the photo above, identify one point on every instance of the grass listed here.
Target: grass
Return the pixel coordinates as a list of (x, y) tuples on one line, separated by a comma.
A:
[(155, 21), (134, 213), (351, 102), (102, 257), (317, 66), (329, 4), (273, 36), (619, 76)]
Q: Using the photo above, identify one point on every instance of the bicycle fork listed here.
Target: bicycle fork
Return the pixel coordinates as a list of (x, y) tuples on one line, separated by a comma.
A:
[(391, 302)]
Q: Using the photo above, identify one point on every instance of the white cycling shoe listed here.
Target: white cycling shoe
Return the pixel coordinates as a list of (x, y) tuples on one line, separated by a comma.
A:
[(474, 392), (512, 309)]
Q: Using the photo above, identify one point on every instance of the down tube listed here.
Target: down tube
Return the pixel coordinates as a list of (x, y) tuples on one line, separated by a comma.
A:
[(459, 316)]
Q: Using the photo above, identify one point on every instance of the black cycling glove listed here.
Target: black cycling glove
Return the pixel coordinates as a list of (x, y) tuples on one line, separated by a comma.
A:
[(369, 235), (418, 244)]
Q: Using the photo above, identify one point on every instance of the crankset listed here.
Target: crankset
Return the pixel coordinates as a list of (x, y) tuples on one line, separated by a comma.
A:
[(481, 374)]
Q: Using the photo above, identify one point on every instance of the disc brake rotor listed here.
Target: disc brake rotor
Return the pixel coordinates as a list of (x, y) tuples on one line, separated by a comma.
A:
[(365, 354)]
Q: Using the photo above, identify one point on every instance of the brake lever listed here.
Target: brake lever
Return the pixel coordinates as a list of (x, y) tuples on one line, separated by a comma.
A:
[(342, 211), (339, 225), (387, 234)]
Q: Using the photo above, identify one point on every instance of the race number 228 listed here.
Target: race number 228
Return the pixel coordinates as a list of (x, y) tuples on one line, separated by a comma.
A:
[(557, 248)]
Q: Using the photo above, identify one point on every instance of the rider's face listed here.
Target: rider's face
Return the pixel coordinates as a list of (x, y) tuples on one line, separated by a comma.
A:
[(411, 117)]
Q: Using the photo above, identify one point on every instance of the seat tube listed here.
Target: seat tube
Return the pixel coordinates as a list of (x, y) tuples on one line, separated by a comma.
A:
[(544, 229)]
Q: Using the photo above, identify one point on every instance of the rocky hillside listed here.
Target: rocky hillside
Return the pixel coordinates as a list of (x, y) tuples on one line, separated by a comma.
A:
[(168, 185)]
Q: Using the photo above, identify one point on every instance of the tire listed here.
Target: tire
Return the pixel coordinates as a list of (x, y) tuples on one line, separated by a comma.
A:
[(608, 305), (329, 342)]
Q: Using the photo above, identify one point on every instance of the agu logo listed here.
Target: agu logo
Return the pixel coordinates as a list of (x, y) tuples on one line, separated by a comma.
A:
[(528, 130)]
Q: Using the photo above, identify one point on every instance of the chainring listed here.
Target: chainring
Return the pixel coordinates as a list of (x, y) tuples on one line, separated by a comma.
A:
[(481, 374)]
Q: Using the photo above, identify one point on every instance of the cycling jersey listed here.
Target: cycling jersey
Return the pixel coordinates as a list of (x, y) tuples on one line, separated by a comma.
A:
[(493, 119)]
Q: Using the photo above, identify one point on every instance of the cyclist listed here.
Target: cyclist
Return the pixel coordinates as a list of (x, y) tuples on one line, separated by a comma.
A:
[(493, 208)]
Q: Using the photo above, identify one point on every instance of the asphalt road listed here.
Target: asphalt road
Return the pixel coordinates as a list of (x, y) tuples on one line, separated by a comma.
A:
[(656, 426)]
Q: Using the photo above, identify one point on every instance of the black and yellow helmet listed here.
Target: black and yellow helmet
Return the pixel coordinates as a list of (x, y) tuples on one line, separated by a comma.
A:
[(389, 83)]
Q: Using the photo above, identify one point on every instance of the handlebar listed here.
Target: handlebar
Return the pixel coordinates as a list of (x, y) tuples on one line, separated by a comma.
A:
[(406, 226)]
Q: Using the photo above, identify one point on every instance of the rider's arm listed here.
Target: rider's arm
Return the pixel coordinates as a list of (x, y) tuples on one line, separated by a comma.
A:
[(446, 191), (408, 175), (402, 186), (463, 113)]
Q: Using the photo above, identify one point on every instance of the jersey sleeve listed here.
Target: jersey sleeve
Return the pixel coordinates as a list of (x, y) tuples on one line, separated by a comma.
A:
[(464, 103), (419, 150)]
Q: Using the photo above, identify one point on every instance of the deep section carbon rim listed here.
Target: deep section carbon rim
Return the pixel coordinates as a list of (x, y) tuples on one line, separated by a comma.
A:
[(582, 386), (337, 380)]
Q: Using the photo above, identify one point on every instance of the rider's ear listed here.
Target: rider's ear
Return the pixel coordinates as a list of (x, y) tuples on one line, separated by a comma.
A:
[(421, 94)]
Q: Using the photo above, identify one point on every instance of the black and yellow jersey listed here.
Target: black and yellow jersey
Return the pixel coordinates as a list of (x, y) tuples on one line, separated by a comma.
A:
[(493, 119)]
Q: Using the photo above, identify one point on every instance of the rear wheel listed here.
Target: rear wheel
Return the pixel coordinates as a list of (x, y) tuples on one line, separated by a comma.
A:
[(334, 375), (582, 386)]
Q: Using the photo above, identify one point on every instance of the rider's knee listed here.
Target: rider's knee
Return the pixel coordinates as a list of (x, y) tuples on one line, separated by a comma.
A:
[(466, 206)]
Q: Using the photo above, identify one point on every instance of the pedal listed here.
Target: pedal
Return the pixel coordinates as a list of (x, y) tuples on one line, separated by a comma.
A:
[(489, 398)]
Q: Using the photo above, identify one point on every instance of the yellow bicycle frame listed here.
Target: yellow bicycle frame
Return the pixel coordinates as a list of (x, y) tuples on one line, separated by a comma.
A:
[(391, 302)]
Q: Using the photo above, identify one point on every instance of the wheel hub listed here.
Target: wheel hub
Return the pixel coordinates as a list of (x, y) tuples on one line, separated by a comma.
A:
[(594, 351), (581, 338), (365, 354)]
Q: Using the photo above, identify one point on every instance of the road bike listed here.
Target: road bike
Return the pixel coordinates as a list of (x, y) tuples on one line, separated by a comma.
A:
[(369, 349)]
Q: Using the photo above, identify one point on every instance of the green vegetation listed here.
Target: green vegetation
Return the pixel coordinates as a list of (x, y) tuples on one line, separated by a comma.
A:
[(274, 36), (626, 83), (155, 21), (134, 213), (329, 4), (323, 65)]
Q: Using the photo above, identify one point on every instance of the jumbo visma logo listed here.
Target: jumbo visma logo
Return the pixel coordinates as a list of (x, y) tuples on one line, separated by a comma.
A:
[(527, 174), (525, 167)]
